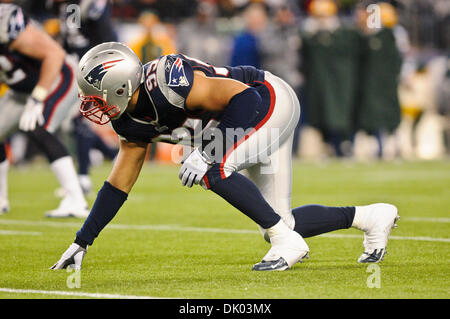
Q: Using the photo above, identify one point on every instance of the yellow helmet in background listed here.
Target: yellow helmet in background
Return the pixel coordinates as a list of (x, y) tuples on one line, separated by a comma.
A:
[(323, 8), (388, 15), (148, 19), (52, 26)]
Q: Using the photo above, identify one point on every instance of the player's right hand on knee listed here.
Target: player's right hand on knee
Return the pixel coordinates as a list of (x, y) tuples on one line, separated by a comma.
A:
[(73, 257)]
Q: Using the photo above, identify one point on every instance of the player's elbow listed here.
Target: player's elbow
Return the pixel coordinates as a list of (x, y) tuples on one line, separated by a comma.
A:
[(56, 54)]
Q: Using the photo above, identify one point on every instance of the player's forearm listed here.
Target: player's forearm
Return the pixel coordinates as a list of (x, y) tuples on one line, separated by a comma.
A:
[(127, 166), (50, 68), (36, 44), (114, 192), (108, 202)]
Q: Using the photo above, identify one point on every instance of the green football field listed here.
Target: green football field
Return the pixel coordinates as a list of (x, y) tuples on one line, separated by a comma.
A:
[(174, 242)]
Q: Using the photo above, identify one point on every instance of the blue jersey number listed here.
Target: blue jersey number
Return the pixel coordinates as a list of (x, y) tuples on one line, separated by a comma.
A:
[(151, 82)]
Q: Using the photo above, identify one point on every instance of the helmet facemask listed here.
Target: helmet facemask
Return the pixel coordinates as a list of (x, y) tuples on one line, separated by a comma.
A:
[(97, 109)]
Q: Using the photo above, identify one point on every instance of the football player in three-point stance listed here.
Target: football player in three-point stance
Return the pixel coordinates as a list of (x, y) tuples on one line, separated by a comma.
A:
[(246, 105), (42, 91)]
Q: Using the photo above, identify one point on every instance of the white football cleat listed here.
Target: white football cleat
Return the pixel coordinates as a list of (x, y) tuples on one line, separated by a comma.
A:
[(69, 208), (376, 221), (59, 192), (85, 183), (288, 248), (4, 206)]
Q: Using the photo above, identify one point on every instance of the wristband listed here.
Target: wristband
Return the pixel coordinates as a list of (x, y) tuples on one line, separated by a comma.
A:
[(108, 202), (39, 93)]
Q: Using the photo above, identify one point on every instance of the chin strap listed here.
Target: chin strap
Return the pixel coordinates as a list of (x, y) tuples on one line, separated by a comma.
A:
[(130, 90), (130, 95)]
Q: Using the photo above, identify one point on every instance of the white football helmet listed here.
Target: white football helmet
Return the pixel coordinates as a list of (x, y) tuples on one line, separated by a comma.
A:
[(108, 75)]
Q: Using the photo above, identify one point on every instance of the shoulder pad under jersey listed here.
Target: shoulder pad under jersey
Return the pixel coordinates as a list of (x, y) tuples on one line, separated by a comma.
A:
[(175, 78), (12, 22)]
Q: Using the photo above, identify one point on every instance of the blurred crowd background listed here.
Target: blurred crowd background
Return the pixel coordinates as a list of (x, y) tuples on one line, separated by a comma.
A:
[(373, 78)]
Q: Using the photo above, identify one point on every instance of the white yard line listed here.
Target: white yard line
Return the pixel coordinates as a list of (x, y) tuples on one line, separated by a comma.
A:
[(19, 232), (197, 229), (427, 219), (128, 227), (391, 237), (39, 223), (74, 294)]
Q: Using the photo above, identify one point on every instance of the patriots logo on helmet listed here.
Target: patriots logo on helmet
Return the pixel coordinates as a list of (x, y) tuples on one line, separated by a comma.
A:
[(95, 76), (177, 77)]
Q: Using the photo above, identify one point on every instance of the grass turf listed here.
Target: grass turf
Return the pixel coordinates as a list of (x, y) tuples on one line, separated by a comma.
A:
[(169, 241)]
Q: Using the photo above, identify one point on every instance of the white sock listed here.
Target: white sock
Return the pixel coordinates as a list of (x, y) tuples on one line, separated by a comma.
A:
[(360, 216), (65, 172), (4, 179), (278, 228)]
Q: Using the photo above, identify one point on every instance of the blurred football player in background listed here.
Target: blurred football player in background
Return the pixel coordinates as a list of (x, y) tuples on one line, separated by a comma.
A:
[(42, 93), (94, 27), (248, 121)]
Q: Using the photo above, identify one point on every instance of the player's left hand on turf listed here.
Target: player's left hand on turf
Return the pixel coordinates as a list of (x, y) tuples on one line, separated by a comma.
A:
[(193, 169), (32, 115), (72, 256)]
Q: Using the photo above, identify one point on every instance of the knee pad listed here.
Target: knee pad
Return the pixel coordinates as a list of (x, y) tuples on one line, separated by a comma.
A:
[(212, 176), (215, 174)]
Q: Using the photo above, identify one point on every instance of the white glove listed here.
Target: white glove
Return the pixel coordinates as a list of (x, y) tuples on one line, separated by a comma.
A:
[(193, 169), (32, 115), (72, 256)]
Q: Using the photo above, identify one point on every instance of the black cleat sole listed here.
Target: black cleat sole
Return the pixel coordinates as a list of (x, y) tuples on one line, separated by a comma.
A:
[(273, 265)]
